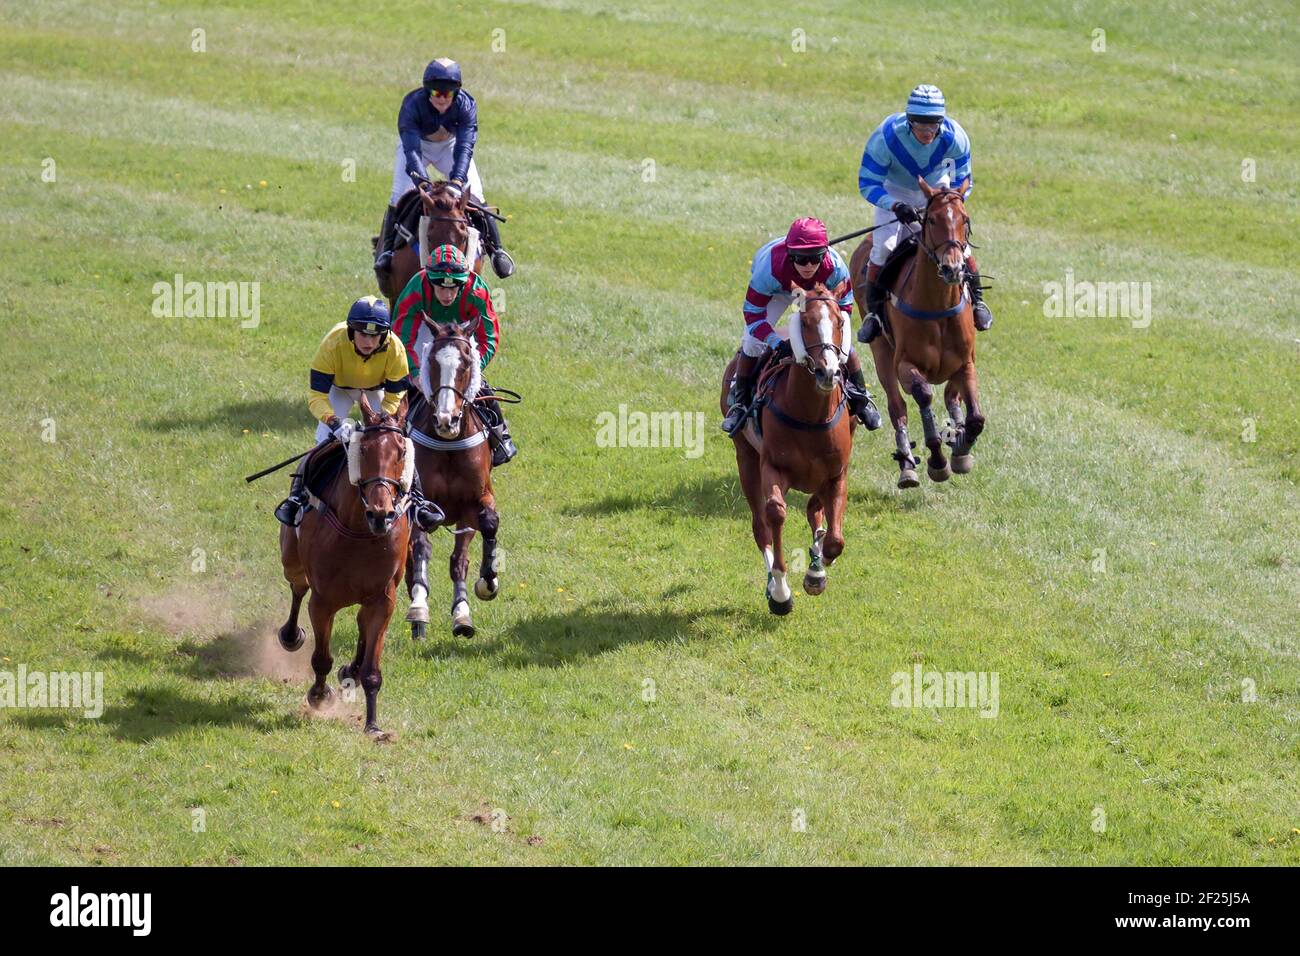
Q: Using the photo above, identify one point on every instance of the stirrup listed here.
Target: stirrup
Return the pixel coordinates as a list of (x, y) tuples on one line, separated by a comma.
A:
[(870, 328), (735, 418), (289, 511), (503, 448)]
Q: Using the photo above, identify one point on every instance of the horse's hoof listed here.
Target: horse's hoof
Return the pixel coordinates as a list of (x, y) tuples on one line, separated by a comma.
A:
[(938, 474), (484, 589), (418, 615), (462, 629), (377, 735), (417, 630), (907, 478), (316, 700), (291, 644), (780, 608), (962, 464), (814, 584)]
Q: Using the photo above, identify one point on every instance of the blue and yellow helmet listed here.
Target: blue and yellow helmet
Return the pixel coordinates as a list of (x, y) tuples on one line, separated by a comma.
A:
[(369, 314)]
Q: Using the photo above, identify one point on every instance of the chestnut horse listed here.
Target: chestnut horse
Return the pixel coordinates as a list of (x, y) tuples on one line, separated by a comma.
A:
[(929, 338), (805, 443), (351, 549), (454, 460), (448, 224)]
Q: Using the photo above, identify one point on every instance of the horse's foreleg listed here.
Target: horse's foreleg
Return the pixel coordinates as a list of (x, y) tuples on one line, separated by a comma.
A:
[(885, 372), (780, 599), (962, 459), (458, 567), (814, 579), (322, 625), (923, 392), (291, 634), (485, 588), (836, 498), (372, 626), (748, 464), (417, 582)]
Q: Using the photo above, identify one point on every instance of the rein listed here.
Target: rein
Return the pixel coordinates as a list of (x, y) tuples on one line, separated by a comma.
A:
[(932, 254), (400, 501)]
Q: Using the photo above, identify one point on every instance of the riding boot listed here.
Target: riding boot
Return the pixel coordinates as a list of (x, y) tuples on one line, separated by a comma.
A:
[(427, 514), (288, 510), (384, 243), (983, 317), (860, 402), (502, 264), (741, 395), (498, 429), (871, 322)]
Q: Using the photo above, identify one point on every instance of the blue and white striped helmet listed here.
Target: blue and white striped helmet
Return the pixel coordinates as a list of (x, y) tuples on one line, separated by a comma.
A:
[(926, 100)]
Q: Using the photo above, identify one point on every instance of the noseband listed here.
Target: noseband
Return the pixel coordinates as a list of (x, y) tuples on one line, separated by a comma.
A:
[(933, 254), (807, 363), (365, 483)]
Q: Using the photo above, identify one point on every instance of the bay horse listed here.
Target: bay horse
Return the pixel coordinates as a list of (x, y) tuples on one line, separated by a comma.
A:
[(454, 460), (448, 224), (804, 441), (929, 338), (350, 548)]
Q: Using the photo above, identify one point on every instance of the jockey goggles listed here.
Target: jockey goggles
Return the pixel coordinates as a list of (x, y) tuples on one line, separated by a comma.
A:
[(448, 279), (805, 257)]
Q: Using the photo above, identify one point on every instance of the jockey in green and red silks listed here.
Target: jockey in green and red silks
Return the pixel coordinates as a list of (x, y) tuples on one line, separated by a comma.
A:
[(446, 293)]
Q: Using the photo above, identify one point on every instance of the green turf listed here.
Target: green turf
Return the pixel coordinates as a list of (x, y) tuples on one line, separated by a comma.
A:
[(1120, 690)]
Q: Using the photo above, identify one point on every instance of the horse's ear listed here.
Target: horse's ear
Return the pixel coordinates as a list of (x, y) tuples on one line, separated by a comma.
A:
[(464, 198), (960, 187), (367, 413), (925, 187)]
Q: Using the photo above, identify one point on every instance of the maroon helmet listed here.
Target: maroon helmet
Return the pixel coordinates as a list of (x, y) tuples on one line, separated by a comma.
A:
[(806, 233)]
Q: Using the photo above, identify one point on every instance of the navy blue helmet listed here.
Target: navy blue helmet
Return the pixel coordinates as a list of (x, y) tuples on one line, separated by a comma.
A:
[(442, 73), (369, 314)]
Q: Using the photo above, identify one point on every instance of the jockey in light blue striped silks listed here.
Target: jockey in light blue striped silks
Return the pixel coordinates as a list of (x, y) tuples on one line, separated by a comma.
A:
[(924, 142), (799, 260)]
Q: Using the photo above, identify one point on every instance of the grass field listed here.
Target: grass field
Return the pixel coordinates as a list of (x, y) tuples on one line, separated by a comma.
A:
[(1124, 556)]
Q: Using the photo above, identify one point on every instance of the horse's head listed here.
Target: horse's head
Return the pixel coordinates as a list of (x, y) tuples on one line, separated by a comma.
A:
[(945, 230), (448, 214), (818, 334), (381, 464), (453, 358)]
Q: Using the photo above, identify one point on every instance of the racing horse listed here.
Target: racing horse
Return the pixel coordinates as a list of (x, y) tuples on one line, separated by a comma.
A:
[(448, 223), (454, 461), (799, 436), (350, 548), (929, 336)]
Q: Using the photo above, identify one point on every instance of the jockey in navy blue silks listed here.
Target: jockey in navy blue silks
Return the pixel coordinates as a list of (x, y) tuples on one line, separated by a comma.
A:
[(437, 126)]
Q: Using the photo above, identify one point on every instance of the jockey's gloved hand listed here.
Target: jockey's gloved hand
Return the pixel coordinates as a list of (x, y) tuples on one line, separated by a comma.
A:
[(904, 213), (455, 186), (344, 429)]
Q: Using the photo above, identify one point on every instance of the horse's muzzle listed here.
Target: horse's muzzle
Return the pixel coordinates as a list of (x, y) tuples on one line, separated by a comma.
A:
[(381, 522), (825, 379)]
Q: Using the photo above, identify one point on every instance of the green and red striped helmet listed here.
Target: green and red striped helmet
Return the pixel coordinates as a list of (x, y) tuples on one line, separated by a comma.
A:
[(447, 266)]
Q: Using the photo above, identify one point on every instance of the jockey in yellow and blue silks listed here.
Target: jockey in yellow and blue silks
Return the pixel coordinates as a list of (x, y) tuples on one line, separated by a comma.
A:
[(360, 355), (437, 126), (802, 258), (922, 141)]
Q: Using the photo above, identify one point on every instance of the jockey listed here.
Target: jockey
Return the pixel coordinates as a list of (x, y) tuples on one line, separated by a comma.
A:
[(358, 355), (446, 292), (896, 154), (438, 125), (803, 258)]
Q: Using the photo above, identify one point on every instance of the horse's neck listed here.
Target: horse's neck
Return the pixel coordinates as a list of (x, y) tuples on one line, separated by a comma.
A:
[(925, 290), (345, 501), (800, 397)]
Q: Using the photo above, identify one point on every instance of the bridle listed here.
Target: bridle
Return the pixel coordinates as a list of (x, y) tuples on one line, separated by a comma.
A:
[(807, 362), (366, 483), (934, 253)]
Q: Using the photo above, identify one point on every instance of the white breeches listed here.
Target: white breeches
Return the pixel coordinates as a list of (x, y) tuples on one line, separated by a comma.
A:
[(438, 155), (342, 400)]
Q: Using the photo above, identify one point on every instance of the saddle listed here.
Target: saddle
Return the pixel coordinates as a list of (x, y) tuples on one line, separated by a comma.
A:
[(889, 272), (322, 467), (770, 369)]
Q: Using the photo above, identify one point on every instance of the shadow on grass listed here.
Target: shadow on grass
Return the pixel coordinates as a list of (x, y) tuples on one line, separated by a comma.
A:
[(715, 497), (556, 638), (278, 415), (156, 712)]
